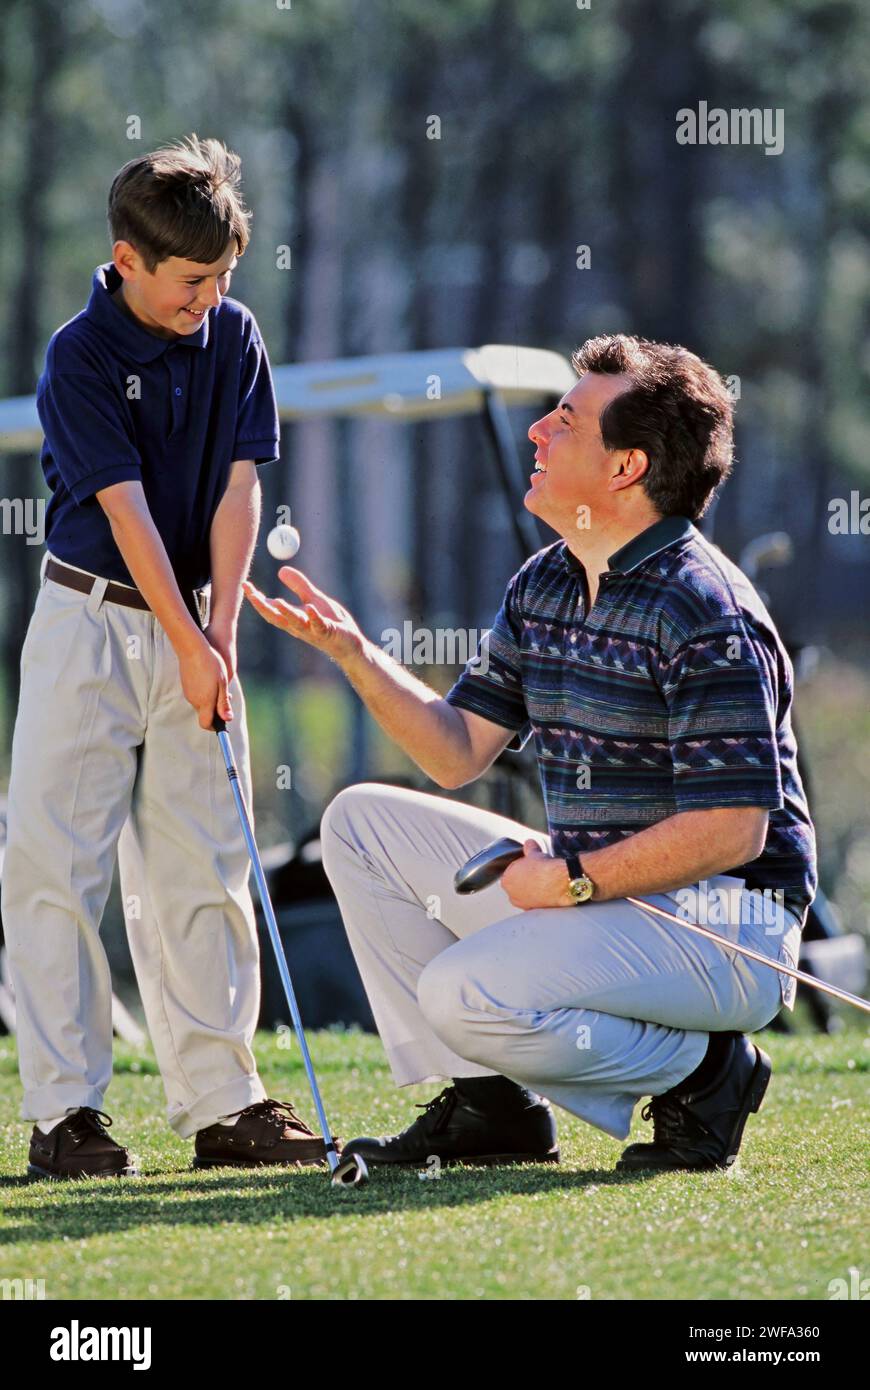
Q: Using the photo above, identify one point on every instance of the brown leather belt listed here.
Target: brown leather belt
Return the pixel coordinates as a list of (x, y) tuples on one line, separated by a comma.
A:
[(115, 593)]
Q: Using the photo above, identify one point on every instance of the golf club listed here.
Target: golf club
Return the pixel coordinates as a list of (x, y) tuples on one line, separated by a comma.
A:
[(348, 1172), (484, 868)]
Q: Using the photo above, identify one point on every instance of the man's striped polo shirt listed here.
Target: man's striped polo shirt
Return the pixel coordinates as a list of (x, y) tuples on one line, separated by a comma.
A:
[(673, 694)]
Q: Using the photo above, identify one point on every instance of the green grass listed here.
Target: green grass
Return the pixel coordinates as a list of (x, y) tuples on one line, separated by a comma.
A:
[(791, 1216)]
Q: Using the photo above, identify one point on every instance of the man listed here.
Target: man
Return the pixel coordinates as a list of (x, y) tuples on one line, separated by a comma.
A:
[(659, 695)]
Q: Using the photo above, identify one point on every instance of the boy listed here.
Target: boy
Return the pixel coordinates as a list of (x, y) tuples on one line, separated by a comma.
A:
[(157, 406)]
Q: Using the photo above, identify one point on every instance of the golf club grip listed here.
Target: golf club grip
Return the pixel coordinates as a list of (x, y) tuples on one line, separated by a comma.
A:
[(219, 725)]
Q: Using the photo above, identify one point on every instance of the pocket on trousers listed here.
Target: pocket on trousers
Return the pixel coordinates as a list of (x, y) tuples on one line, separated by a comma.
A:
[(53, 628), (789, 953), (780, 941), (787, 985)]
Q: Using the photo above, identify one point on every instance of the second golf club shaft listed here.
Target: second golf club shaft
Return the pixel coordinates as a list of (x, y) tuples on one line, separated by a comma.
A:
[(800, 975)]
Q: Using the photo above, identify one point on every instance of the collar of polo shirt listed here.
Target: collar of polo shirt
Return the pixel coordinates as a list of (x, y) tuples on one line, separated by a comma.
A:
[(133, 337), (640, 548)]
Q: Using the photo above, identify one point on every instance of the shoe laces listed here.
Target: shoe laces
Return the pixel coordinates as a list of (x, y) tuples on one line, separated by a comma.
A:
[(279, 1113), (440, 1109), (672, 1120), (87, 1121)]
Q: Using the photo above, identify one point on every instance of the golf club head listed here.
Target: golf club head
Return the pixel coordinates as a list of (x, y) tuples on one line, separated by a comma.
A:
[(484, 868), (350, 1172)]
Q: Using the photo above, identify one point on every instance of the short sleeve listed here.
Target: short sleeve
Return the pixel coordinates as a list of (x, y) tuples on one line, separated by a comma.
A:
[(89, 440), (720, 687), (491, 684), (258, 432)]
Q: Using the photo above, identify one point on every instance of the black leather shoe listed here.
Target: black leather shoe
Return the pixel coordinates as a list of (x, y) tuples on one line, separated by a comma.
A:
[(703, 1129), (453, 1130)]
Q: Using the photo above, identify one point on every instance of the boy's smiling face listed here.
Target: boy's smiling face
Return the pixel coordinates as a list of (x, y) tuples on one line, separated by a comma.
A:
[(174, 300)]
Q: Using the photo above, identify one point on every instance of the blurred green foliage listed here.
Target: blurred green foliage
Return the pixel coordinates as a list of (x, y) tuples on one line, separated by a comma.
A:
[(557, 129)]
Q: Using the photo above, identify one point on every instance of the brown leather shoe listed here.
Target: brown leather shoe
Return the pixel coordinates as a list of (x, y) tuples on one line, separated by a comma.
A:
[(79, 1147), (268, 1132)]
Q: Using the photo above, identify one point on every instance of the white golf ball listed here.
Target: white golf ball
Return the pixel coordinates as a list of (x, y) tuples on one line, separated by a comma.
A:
[(283, 542)]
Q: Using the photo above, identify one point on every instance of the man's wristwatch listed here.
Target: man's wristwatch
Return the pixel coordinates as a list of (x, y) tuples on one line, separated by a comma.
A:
[(580, 885)]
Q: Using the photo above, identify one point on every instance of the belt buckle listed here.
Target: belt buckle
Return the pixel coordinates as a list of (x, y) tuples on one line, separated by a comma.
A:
[(201, 598)]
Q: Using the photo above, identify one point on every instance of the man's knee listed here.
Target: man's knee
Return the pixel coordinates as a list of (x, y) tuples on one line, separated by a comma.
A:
[(339, 813), (344, 808), (463, 1010)]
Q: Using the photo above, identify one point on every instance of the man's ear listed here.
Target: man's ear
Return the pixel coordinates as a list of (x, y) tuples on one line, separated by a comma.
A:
[(632, 464)]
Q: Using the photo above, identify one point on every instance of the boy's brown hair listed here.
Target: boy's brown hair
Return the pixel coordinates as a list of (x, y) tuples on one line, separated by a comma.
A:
[(676, 408), (181, 200)]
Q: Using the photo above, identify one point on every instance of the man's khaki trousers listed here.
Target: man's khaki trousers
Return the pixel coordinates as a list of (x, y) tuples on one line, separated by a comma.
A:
[(108, 756), (591, 1006)]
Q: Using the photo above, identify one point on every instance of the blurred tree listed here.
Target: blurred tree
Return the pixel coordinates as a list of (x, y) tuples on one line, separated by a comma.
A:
[(29, 281), (557, 130)]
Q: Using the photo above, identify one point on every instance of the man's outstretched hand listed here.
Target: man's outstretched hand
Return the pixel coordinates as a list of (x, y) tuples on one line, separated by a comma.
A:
[(322, 621)]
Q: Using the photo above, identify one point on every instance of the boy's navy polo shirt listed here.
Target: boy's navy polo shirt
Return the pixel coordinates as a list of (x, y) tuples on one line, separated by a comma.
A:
[(118, 403), (673, 694)]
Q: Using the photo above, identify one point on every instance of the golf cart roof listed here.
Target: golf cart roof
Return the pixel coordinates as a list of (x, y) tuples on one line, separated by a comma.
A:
[(417, 385), (400, 385), (19, 424)]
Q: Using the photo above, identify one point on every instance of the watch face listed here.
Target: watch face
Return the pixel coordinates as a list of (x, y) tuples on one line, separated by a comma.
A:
[(582, 888)]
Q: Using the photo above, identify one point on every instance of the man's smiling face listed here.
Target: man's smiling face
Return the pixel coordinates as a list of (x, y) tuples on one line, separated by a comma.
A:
[(174, 300), (577, 468)]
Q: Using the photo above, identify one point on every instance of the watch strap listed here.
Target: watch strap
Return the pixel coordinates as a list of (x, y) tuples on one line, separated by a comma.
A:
[(575, 868)]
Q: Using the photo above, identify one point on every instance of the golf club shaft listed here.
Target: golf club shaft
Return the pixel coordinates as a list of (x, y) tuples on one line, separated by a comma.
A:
[(280, 958), (795, 974)]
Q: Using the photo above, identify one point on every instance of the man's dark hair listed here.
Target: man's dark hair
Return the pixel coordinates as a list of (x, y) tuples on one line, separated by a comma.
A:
[(181, 200), (676, 408)]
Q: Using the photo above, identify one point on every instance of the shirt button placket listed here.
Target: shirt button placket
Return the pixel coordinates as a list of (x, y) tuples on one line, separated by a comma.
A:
[(177, 375)]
